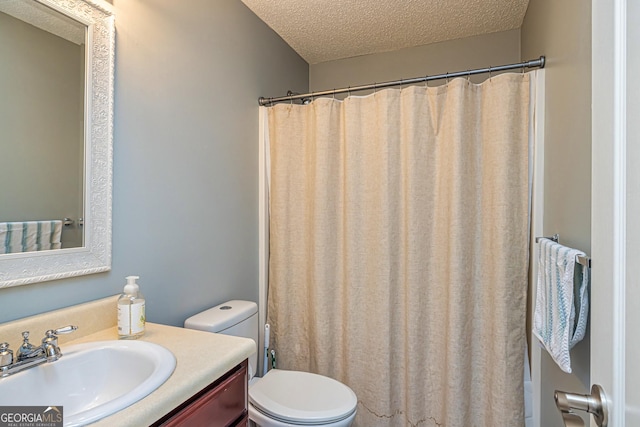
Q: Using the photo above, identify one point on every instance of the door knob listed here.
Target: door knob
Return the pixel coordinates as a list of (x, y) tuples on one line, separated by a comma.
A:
[(594, 403)]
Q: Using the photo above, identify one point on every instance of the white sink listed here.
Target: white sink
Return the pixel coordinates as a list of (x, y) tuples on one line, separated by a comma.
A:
[(93, 380)]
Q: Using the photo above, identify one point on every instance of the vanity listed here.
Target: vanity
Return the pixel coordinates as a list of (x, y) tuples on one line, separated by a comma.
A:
[(222, 403), (207, 387)]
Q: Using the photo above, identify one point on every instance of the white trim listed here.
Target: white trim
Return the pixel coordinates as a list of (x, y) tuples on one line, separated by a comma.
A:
[(263, 230), (619, 206), (537, 221), (609, 203)]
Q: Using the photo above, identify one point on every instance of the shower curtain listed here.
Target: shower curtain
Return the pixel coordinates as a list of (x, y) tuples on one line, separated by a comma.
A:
[(399, 249)]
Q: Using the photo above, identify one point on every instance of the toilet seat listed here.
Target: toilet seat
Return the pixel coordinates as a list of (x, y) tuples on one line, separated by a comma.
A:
[(302, 398)]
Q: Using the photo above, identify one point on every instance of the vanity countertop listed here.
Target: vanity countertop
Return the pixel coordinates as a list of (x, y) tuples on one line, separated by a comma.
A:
[(201, 357)]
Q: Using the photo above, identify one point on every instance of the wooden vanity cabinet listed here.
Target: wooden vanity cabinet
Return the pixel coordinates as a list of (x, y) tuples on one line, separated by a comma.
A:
[(221, 404)]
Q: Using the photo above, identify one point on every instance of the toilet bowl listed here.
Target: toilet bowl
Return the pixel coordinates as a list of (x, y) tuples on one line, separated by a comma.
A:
[(281, 398), (293, 398)]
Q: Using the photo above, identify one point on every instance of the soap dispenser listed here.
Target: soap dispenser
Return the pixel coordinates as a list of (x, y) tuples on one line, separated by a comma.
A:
[(131, 316)]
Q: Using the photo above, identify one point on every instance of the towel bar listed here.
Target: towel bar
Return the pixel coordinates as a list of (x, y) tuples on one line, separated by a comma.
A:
[(555, 238), (582, 260)]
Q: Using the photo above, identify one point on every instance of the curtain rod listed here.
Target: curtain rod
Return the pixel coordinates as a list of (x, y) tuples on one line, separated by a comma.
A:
[(535, 63)]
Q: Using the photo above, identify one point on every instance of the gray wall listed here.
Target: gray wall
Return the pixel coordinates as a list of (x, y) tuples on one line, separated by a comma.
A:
[(41, 122), (185, 208), (455, 55), (562, 32)]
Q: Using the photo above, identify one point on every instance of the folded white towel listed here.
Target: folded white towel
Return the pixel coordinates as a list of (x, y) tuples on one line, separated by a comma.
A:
[(30, 236), (560, 318)]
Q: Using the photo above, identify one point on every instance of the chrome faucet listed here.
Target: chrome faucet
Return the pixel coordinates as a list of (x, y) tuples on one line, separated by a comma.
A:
[(29, 355)]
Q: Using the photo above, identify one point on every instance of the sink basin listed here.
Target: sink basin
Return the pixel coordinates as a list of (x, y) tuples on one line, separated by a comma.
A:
[(91, 380)]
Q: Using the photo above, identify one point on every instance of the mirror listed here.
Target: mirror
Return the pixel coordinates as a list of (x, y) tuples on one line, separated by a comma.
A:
[(42, 80), (57, 109)]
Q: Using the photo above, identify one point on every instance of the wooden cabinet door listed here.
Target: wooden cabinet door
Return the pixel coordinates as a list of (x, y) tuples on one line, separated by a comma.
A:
[(222, 404)]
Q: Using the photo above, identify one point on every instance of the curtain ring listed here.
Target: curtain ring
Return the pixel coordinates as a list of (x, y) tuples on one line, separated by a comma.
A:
[(375, 86), (401, 83), (426, 81), (291, 99), (348, 91), (468, 76), (490, 75), (334, 93), (447, 77)]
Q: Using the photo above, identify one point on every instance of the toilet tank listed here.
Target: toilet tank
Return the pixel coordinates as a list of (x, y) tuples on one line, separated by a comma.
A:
[(238, 318)]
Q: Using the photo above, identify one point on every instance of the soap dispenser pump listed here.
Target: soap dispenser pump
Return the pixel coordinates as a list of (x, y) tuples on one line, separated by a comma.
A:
[(131, 311)]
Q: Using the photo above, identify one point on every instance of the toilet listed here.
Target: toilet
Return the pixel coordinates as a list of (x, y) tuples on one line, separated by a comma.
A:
[(280, 398)]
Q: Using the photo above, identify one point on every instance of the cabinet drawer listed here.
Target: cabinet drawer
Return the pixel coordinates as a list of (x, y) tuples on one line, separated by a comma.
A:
[(222, 404)]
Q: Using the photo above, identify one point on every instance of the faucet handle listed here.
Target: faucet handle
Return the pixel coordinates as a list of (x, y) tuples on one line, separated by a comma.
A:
[(6, 355), (50, 341), (51, 336), (64, 330)]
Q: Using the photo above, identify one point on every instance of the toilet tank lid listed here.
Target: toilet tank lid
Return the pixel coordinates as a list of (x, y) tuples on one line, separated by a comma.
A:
[(223, 316)]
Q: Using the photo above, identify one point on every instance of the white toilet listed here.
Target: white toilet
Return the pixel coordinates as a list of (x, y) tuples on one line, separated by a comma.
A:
[(280, 398)]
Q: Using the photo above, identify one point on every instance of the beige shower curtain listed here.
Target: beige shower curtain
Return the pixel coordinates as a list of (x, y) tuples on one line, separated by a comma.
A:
[(399, 249)]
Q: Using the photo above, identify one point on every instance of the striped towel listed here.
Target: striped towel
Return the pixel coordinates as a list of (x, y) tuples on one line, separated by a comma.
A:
[(30, 236), (560, 318)]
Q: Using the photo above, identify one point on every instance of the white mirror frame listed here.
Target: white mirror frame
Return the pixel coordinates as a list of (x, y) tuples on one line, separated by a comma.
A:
[(95, 256)]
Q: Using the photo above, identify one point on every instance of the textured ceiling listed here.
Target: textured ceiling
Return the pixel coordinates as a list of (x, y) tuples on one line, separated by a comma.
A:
[(324, 30)]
